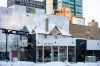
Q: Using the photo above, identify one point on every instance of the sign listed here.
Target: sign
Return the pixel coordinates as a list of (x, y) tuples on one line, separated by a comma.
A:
[(30, 10), (9, 31), (48, 44), (21, 33), (30, 3), (15, 53)]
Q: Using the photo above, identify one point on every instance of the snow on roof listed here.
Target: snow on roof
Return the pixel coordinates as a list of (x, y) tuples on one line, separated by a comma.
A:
[(39, 30), (51, 27), (30, 28), (64, 32)]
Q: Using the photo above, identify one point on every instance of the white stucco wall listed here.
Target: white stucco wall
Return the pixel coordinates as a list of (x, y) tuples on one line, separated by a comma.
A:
[(52, 41), (93, 44)]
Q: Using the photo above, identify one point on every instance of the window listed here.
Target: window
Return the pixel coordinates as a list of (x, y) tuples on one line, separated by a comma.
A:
[(78, 5), (45, 36), (55, 4), (72, 0), (79, 12), (55, 37)]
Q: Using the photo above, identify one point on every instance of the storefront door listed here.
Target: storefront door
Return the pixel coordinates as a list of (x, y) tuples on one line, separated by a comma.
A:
[(55, 53)]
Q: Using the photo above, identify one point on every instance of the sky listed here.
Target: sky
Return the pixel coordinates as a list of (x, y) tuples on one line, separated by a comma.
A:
[(90, 10)]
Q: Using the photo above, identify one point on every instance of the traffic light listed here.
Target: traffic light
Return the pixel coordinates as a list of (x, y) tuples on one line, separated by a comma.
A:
[(8, 31)]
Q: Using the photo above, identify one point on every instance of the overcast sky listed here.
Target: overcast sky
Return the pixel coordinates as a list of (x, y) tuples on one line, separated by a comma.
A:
[(90, 9)]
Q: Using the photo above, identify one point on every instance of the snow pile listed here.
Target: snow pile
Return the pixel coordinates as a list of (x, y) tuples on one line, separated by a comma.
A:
[(18, 63), (85, 64), (25, 63), (3, 63), (52, 64)]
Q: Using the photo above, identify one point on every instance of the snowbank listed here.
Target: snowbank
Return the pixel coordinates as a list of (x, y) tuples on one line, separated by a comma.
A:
[(52, 64), (85, 64), (18, 63), (24, 63)]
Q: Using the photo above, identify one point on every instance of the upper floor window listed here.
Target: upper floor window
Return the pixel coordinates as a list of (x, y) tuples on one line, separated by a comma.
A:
[(45, 36)]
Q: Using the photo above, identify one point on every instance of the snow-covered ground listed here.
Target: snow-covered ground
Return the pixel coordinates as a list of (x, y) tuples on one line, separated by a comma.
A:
[(24, 63)]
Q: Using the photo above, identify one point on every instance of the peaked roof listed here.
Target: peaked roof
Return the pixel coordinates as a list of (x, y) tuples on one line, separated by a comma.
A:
[(28, 28), (55, 28), (64, 32), (41, 29)]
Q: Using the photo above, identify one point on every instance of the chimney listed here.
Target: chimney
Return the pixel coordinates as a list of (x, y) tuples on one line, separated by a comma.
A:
[(46, 24), (93, 23), (93, 20)]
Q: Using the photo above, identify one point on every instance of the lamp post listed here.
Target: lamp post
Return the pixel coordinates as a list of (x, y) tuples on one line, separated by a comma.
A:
[(6, 45)]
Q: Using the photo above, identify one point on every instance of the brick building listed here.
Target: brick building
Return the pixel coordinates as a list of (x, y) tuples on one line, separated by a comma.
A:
[(82, 31)]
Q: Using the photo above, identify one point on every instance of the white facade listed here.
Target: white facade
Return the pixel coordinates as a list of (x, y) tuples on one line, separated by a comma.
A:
[(93, 44), (52, 41)]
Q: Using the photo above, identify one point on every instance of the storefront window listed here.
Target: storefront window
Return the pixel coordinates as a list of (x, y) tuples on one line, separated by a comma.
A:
[(63, 54), (47, 54), (39, 54), (55, 53), (71, 54), (55, 4)]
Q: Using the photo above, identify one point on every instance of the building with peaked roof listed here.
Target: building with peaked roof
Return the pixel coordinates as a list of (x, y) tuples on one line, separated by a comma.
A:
[(50, 38), (51, 43), (17, 17)]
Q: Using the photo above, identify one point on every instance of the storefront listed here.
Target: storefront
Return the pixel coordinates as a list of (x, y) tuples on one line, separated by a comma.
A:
[(55, 53), (60, 49)]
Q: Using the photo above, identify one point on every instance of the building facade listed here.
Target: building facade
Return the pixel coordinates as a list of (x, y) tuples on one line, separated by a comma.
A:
[(90, 34), (51, 43), (50, 34)]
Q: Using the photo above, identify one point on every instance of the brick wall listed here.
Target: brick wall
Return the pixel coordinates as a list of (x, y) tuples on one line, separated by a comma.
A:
[(80, 31)]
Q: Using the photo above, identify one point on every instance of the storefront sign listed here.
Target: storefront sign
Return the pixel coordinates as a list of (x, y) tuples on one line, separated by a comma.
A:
[(48, 43), (30, 3)]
